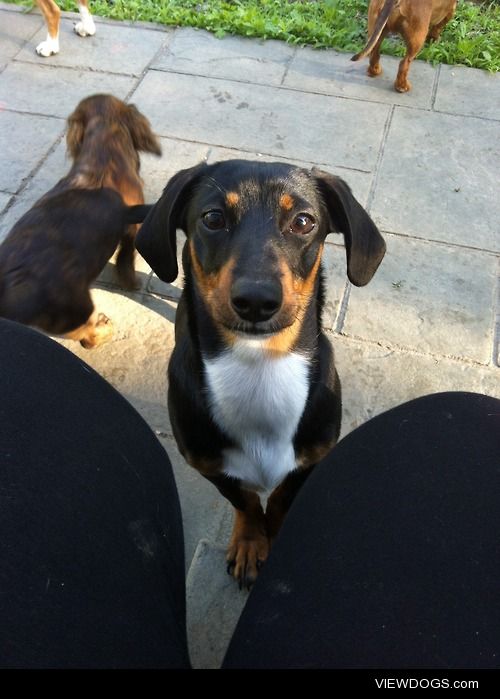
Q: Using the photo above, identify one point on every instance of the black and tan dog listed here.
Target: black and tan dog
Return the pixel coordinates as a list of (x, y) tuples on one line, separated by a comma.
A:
[(56, 250), (254, 397), (415, 20)]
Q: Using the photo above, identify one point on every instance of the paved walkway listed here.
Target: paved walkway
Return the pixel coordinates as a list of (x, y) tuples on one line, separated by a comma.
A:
[(426, 165)]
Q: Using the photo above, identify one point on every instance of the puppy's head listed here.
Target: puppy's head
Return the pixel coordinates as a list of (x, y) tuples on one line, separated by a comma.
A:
[(111, 110), (255, 236)]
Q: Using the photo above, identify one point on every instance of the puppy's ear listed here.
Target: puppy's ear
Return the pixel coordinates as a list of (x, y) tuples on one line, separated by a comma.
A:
[(76, 131), (156, 240), (140, 131), (365, 246)]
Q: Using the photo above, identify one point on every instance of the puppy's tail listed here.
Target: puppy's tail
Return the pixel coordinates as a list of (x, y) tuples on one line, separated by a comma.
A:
[(378, 29), (137, 213)]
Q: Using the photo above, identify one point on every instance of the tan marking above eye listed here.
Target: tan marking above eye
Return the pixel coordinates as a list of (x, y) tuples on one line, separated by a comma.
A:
[(232, 198), (286, 202)]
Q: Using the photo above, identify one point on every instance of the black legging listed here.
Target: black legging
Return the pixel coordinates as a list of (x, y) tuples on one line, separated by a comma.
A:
[(389, 557)]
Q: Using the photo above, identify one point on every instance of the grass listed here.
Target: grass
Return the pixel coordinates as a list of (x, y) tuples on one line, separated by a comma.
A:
[(472, 38)]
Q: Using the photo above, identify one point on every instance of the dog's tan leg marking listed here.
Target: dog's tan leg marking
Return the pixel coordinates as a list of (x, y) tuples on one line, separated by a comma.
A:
[(51, 14), (249, 546), (96, 331)]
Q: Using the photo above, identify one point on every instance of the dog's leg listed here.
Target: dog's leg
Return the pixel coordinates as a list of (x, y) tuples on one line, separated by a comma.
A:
[(282, 497), (86, 26), (51, 15), (374, 67), (414, 42), (249, 546), (125, 260), (96, 331), (435, 31)]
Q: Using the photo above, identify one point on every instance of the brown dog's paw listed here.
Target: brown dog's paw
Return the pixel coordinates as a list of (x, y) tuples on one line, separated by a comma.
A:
[(245, 558), (99, 333), (373, 71), (403, 86)]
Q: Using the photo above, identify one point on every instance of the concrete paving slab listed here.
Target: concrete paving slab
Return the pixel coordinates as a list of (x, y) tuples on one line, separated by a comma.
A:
[(432, 298), (135, 360), (205, 513), (25, 87), (176, 155), (335, 275), (439, 179), (468, 91), (4, 200), (333, 73), (55, 166), (115, 48), (15, 29), (214, 605), (21, 156), (198, 52), (375, 379), (360, 182), (263, 119)]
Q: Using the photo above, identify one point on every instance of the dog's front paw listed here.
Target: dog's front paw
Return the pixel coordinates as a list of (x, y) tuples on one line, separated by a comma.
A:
[(48, 47), (85, 27), (99, 333), (245, 558)]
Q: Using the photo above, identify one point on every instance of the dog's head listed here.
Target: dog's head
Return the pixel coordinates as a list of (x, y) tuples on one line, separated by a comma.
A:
[(110, 110), (255, 234)]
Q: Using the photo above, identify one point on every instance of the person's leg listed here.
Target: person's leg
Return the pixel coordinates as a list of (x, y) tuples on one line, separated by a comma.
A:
[(91, 544), (390, 554)]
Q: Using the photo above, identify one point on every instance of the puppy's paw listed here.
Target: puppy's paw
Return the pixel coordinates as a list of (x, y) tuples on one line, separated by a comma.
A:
[(100, 332), (48, 47), (85, 27), (245, 558)]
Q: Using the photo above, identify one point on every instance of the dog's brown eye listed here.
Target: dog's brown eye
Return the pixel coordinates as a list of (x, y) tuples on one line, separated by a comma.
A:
[(214, 220), (302, 224)]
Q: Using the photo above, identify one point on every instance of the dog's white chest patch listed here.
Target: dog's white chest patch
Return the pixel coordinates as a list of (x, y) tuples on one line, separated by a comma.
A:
[(257, 400)]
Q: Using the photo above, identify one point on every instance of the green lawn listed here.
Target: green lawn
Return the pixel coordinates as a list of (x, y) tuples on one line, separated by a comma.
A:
[(472, 38)]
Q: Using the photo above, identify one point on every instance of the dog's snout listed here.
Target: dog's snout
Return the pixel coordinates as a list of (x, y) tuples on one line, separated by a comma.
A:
[(256, 301)]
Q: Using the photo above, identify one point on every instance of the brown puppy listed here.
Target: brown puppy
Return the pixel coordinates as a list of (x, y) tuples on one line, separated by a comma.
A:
[(55, 251), (52, 14), (415, 20)]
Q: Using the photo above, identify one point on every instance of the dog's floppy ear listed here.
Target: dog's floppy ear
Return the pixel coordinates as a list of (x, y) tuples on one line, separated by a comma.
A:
[(365, 246), (76, 131), (156, 240), (141, 132)]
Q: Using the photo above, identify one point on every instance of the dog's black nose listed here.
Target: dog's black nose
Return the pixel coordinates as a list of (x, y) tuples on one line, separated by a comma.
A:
[(256, 301)]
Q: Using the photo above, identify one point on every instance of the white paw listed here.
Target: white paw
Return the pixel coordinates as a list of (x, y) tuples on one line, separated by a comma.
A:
[(48, 47), (85, 27)]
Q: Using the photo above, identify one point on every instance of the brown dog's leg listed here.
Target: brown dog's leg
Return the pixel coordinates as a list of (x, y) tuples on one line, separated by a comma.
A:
[(51, 14), (125, 260), (414, 43), (374, 67), (96, 331), (249, 546), (435, 31), (282, 497)]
